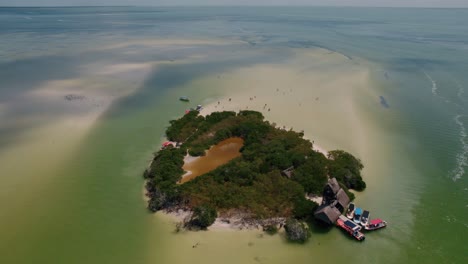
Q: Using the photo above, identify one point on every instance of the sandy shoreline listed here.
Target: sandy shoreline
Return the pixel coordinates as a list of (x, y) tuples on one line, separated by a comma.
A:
[(233, 223), (310, 93), (213, 107)]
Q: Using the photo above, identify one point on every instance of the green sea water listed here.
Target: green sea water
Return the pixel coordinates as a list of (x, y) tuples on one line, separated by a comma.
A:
[(73, 193)]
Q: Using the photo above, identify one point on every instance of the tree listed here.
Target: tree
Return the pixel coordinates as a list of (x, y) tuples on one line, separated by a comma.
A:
[(303, 208), (157, 200), (203, 216), (184, 127), (296, 231), (346, 169)]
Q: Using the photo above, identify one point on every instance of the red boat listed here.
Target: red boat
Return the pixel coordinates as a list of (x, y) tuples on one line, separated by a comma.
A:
[(167, 144), (376, 224), (350, 227)]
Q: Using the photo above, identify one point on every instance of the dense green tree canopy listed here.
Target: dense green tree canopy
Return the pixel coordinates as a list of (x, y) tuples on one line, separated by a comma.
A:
[(346, 169), (253, 182)]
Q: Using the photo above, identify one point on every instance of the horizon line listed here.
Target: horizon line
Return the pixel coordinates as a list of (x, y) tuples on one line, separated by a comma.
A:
[(211, 5)]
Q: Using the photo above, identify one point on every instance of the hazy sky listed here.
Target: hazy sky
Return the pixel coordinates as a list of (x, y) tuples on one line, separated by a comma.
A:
[(403, 3)]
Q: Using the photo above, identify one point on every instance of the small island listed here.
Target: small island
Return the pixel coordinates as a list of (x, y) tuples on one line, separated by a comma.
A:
[(267, 180)]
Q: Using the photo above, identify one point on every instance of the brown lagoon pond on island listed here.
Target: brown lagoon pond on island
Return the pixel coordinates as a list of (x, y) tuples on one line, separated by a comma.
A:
[(70, 170), (217, 155)]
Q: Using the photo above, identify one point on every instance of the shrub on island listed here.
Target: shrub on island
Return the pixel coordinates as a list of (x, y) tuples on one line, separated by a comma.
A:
[(346, 169), (296, 231), (270, 229), (203, 216)]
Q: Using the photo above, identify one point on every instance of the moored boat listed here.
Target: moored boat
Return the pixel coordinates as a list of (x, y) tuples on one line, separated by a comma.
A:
[(365, 218), (357, 215), (350, 227), (350, 211), (184, 98), (167, 144), (375, 224)]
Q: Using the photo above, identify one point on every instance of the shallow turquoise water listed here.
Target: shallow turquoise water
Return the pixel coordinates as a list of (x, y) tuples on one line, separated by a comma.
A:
[(89, 209)]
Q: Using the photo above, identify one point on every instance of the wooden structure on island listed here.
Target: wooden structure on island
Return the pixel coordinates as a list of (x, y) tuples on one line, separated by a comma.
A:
[(288, 172), (335, 201)]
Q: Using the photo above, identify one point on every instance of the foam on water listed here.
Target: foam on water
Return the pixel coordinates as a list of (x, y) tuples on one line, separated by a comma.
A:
[(461, 158), (434, 84), (435, 88), (460, 92)]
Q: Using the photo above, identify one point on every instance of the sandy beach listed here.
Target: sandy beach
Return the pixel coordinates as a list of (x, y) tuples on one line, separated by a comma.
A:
[(298, 95), (309, 93), (234, 222)]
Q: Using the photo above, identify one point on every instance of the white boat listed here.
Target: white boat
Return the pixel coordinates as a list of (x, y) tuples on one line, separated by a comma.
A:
[(375, 224), (357, 215), (350, 211), (365, 218)]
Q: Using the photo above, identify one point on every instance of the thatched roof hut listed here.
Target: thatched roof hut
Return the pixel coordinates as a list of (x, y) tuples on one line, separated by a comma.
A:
[(330, 190), (335, 201), (288, 172), (333, 185), (327, 214), (342, 200)]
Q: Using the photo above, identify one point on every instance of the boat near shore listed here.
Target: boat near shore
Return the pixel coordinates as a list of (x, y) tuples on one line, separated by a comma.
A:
[(365, 218), (361, 218), (350, 211), (184, 99), (357, 215), (375, 224), (350, 227)]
